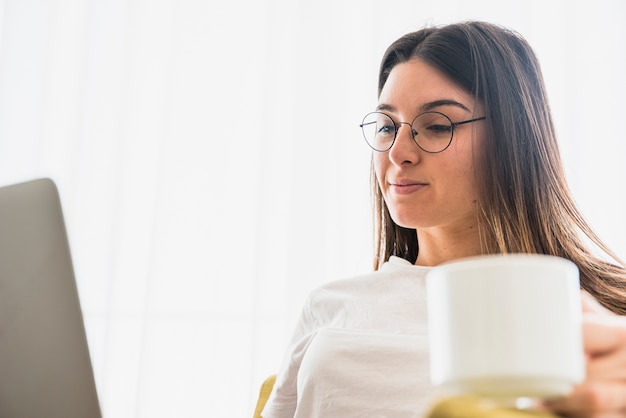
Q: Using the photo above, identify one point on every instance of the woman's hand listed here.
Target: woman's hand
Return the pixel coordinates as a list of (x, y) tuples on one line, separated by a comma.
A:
[(603, 393)]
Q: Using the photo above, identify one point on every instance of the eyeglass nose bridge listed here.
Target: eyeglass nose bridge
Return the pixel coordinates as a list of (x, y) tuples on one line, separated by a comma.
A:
[(412, 131)]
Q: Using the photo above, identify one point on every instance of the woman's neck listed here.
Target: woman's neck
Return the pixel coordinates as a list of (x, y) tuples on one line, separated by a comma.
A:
[(439, 245)]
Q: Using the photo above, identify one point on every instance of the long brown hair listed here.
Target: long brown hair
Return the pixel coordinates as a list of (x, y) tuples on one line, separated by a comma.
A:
[(525, 205)]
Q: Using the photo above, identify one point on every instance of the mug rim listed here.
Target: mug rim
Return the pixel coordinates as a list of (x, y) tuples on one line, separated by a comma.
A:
[(504, 260)]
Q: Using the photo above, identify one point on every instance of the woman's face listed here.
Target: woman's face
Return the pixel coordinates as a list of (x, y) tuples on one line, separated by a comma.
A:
[(424, 190)]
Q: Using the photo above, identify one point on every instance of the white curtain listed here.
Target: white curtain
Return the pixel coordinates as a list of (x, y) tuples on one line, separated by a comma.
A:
[(212, 171)]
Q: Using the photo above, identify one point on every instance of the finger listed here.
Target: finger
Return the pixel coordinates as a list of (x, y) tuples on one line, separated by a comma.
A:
[(606, 365), (603, 334), (606, 368), (612, 414), (618, 414), (592, 399)]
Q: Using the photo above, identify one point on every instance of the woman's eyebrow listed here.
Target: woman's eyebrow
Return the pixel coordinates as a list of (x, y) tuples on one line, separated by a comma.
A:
[(443, 102), (384, 106), (427, 106)]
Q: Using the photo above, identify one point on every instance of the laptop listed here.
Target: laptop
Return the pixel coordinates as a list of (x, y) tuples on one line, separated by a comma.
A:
[(45, 367)]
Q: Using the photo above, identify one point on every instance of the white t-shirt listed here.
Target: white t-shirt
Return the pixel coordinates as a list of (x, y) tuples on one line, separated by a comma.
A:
[(360, 349)]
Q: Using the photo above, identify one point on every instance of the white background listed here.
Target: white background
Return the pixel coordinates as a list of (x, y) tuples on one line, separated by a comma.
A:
[(212, 170)]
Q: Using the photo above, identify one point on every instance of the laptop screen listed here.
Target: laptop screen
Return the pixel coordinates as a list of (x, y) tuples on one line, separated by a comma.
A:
[(45, 367)]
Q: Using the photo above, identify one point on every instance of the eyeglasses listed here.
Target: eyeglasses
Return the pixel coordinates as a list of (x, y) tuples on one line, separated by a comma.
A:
[(431, 131)]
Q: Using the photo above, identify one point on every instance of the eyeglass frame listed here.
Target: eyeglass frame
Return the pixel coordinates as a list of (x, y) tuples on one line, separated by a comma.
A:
[(414, 133)]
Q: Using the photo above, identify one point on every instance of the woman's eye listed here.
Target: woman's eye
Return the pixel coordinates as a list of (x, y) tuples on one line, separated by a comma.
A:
[(387, 130), (439, 129)]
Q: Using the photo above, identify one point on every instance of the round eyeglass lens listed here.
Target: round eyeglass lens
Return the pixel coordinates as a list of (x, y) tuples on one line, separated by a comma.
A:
[(432, 131), (379, 131)]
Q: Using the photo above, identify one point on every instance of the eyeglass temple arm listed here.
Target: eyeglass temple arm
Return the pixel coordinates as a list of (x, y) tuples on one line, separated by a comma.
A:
[(468, 121)]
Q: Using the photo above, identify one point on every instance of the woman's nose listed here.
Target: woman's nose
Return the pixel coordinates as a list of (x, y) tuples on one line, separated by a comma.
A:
[(404, 149)]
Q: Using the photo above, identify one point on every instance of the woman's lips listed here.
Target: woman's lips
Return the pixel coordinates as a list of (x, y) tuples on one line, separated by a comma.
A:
[(404, 188)]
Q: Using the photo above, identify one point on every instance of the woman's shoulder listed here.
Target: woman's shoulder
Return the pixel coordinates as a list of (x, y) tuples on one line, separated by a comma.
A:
[(396, 290), (396, 273)]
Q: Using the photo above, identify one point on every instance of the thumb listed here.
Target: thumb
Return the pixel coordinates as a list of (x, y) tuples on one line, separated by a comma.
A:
[(603, 330), (591, 305)]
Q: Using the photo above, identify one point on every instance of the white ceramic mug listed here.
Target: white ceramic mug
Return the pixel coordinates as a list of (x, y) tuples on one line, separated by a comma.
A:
[(506, 326)]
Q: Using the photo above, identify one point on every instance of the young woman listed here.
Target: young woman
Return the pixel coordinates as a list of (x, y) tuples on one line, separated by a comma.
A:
[(465, 163)]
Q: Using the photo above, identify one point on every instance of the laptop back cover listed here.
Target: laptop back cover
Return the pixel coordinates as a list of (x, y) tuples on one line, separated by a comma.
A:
[(45, 367)]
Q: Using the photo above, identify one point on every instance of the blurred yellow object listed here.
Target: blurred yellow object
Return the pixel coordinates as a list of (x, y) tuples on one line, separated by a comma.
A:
[(454, 407), (264, 394), (470, 407)]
